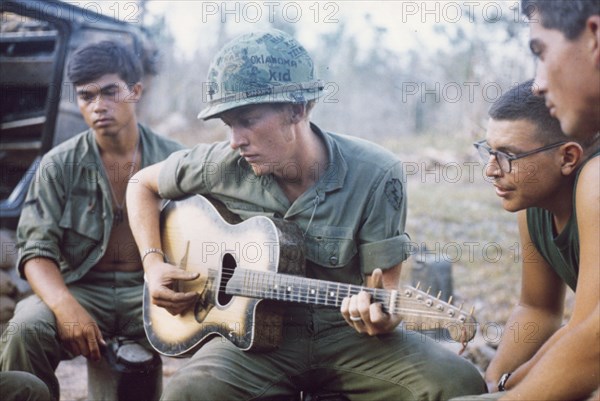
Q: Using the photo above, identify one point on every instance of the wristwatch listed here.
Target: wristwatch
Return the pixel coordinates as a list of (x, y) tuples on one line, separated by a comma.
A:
[(503, 380)]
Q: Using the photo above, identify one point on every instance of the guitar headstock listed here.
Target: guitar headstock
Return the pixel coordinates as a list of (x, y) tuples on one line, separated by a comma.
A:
[(423, 311)]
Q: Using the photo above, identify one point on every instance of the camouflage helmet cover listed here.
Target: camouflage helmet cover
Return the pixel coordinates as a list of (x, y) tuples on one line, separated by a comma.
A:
[(260, 67)]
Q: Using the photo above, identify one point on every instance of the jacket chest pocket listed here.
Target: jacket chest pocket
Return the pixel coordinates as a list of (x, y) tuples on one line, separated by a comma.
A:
[(330, 246), (82, 221)]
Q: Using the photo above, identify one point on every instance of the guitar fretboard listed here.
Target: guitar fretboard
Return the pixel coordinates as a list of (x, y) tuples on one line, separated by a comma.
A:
[(283, 287)]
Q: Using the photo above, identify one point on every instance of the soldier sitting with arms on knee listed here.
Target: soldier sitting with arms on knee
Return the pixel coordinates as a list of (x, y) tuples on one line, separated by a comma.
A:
[(75, 244)]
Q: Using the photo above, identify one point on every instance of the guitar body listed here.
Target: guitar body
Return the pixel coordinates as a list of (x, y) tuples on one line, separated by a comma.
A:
[(201, 235), (247, 268)]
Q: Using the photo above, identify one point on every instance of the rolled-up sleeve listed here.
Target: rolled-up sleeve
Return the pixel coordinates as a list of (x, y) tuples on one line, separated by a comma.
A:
[(385, 254), (187, 172), (38, 231), (168, 179), (383, 242)]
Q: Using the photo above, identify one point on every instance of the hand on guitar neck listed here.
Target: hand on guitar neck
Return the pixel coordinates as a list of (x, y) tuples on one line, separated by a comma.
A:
[(373, 320), (164, 285)]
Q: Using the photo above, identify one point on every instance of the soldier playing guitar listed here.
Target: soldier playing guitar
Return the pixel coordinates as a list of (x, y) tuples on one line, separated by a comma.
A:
[(347, 198)]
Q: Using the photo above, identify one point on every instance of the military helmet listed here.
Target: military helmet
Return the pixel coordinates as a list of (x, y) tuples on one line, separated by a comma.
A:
[(260, 67)]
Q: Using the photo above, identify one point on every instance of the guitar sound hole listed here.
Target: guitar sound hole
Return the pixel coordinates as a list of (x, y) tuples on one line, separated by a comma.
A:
[(229, 266)]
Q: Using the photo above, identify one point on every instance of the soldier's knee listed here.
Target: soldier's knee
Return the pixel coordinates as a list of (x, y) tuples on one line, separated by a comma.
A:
[(22, 339), (23, 386), (202, 387)]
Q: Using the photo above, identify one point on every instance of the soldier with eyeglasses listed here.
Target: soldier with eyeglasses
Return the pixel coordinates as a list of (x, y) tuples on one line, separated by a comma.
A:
[(565, 40), (535, 169)]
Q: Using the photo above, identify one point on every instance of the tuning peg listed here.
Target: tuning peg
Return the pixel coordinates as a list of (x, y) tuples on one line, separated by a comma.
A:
[(472, 310), (439, 295), (460, 307), (418, 285), (450, 300), (428, 290)]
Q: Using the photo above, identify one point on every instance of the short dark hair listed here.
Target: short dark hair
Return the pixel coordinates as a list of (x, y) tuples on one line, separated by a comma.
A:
[(520, 103), (97, 59), (568, 16)]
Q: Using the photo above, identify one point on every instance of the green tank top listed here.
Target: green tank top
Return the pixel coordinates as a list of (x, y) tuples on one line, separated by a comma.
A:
[(560, 251)]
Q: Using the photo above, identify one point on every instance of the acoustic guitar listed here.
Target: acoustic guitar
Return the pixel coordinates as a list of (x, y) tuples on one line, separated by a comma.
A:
[(247, 268)]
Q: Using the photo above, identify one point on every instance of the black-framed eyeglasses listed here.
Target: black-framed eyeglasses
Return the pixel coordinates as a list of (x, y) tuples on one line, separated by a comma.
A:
[(505, 160)]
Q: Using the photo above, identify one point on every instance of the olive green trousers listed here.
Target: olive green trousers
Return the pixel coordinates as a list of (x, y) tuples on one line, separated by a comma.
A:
[(22, 386), (30, 342), (321, 353)]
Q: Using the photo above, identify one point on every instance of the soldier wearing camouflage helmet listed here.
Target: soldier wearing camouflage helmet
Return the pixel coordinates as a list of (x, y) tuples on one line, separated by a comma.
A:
[(348, 198), (259, 68)]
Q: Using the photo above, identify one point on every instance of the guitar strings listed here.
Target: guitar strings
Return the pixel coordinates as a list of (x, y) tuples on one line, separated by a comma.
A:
[(320, 295), (319, 292)]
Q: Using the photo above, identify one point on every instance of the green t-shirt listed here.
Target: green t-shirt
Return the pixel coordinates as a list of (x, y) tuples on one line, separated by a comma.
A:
[(560, 251)]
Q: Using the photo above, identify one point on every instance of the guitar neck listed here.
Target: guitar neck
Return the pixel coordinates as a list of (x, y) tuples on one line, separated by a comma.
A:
[(418, 309), (284, 287)]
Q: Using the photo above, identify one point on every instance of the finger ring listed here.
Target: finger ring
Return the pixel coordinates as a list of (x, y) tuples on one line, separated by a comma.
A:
[(355, 318)]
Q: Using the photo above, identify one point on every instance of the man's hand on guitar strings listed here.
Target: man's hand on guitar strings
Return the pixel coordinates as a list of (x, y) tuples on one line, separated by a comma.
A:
[(162, 278), (367, 317)]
